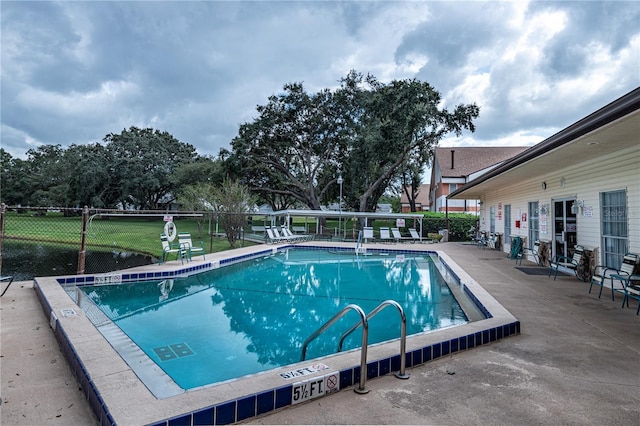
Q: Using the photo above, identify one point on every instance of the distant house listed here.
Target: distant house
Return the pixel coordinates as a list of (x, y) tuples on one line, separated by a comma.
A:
[(455, 166), (422, 200)]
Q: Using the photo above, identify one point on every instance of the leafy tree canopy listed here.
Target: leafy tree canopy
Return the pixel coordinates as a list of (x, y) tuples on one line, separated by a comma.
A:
[(371, 133), (143, 162), (139, 168)]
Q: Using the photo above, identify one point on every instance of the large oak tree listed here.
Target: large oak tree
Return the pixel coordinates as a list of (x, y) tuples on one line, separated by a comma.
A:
[(370, 132)]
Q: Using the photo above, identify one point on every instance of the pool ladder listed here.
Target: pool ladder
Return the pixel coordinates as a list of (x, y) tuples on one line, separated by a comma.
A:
[(364, 322), (359, 247)]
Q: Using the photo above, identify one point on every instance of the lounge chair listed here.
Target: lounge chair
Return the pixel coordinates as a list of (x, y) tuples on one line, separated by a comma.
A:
[(286, 232), (385, 236), (273, 238), (396, 234), (7, 278), (367, 233), (602, 273), (415, 235), (184, 238), (566, 262), (285, 238), (169, 248)]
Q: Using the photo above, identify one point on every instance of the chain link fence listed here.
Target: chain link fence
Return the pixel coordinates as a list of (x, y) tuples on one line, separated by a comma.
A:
[(64, 241)]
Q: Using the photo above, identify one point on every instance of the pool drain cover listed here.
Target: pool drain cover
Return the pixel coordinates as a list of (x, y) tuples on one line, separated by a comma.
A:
[(173, 351)]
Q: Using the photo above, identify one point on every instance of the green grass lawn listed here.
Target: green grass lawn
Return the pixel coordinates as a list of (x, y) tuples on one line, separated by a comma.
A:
[(135, 234), (138, 235)]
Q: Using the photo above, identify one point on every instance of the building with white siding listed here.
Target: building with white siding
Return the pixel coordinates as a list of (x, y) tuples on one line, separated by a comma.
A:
[(579, 186)]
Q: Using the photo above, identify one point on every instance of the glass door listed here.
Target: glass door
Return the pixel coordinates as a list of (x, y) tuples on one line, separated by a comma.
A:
[(565, 227)]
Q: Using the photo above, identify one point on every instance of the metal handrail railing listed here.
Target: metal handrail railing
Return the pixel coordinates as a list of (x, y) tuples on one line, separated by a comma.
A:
[(363, 350), (359, 243), (403, 334)]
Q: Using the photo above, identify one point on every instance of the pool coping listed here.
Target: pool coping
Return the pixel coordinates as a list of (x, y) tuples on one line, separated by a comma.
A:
[(117, 396)]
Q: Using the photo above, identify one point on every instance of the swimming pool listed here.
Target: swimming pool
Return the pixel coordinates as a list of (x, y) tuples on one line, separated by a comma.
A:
[(255, 315), (118, 395)]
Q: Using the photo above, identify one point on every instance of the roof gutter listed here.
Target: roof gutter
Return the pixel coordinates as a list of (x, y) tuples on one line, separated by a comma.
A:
[(605, 115)]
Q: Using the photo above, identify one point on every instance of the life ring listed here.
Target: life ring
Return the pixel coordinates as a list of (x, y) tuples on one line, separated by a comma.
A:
[(170, 231)]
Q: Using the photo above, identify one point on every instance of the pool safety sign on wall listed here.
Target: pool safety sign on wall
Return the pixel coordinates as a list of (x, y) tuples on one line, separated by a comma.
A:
[(315, 387)]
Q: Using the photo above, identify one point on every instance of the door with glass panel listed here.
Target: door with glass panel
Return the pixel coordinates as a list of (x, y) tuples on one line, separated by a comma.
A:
[(565, 227)]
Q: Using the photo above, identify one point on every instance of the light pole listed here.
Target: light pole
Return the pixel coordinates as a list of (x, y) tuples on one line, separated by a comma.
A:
[(340, 204)]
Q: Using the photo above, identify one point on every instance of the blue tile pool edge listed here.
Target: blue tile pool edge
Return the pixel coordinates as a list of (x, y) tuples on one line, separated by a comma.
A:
[(245, 407), (266, 401)]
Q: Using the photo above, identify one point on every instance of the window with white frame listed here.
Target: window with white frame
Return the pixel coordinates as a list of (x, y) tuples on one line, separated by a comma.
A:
[(614, 227), (507, 223)]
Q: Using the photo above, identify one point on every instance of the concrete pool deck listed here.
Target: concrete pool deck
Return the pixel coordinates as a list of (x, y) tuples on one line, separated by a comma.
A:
[(575, 362)]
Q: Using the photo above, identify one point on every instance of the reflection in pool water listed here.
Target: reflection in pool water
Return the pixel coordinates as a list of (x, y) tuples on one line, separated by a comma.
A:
[(24, 261), (257, 314)]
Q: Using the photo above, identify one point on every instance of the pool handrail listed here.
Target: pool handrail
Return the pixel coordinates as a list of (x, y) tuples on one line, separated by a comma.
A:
[(363, 350), (359, 247), (403, 334)]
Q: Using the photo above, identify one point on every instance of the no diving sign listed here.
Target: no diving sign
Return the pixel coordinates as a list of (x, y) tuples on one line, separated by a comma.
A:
[(315, 387)]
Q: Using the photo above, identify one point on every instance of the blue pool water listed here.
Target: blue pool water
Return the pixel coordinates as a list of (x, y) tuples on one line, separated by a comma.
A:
[(255, 315)]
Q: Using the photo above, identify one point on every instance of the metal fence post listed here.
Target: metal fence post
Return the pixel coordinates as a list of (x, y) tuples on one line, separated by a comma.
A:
[(83, 241), (3, 209)]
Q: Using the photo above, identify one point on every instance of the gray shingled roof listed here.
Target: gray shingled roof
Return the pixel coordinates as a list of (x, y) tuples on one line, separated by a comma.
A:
[(470, 159)]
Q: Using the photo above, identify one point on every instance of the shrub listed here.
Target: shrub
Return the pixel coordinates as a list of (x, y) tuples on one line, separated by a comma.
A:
[(434, 236), (459, 224)]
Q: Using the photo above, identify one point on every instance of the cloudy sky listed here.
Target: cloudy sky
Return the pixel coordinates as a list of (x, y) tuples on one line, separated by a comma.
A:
[(73, 72)]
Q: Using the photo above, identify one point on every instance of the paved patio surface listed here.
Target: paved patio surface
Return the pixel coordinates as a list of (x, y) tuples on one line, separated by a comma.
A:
[(576, 362)]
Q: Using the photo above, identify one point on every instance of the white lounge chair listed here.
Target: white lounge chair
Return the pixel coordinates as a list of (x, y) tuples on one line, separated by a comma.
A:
[(396, 234), (282, 237), (367, 233), (384, 234), (414, 235), (294, 237), (271, 237)]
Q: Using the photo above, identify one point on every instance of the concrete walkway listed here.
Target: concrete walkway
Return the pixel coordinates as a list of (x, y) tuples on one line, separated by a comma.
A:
[(576, 362)]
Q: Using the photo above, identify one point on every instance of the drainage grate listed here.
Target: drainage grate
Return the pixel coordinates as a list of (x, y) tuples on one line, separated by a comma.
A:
[(173, 351)]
